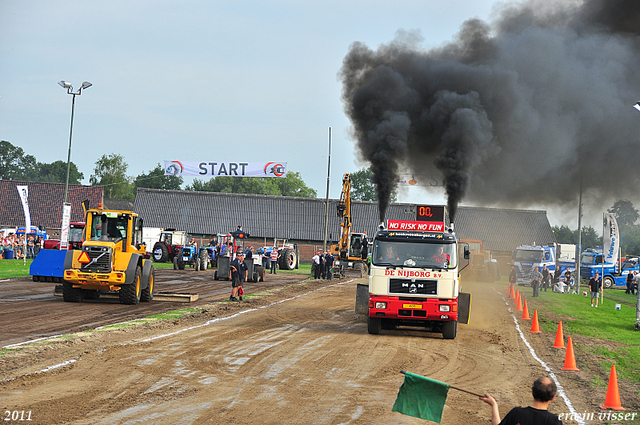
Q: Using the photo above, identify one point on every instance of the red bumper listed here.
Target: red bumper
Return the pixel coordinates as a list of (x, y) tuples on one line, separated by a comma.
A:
[(425, 309)]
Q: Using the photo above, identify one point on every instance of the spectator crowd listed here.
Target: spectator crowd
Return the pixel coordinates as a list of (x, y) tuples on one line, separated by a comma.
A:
[(12, 246)]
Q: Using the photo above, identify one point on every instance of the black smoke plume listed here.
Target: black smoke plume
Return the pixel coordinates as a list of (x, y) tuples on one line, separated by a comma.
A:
[(513, 112)]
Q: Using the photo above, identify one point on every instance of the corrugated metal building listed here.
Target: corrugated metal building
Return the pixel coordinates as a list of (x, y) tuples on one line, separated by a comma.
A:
[(302, 220)]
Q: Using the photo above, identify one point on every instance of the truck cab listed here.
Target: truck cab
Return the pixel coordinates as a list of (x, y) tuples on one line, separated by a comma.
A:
[(413, 281), (528, 258)]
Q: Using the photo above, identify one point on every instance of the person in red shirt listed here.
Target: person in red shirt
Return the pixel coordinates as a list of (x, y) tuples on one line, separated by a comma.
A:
[(440, 257)]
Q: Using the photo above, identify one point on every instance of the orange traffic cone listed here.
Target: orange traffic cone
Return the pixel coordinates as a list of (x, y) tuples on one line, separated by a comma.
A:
[(535, 328), (518, 303), (509, 288), (512, 295), (517, 295), (559, 343), (569, 358), (525, 312), (613, 395)]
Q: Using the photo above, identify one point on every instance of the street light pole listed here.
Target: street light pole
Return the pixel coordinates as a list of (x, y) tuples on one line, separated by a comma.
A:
[(67, 85)]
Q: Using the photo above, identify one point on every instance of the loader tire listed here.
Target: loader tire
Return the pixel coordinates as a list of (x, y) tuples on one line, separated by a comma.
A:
[(71, 294), (147, 293), (130, 294)]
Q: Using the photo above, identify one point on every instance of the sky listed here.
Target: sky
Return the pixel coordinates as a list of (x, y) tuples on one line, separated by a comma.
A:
[(200, 80)]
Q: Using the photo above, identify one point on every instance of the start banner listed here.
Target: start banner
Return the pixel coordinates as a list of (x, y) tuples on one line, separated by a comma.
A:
[(227, 169)]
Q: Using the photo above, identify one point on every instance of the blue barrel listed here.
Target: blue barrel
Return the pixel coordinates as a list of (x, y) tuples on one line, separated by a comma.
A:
[(8, 255)]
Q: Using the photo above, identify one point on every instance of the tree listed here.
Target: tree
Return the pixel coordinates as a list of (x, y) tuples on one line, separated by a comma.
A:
[(56, 172), (590, 238), (363, 188), (293, 185), (626, 215), (156, 179), (111, 172), (15, 164), (565, 235)]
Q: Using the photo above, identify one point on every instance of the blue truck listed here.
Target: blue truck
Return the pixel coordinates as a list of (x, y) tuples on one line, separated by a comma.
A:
[(528, 258), (614, 275)]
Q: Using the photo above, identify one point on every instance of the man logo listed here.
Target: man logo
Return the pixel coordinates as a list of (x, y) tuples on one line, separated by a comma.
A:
[(174, 168)]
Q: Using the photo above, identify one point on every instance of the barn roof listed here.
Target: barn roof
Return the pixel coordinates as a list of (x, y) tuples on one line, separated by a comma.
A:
[(45, 202), (266, 216)]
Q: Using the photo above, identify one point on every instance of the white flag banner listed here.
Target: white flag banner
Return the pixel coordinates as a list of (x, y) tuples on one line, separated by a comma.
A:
[(66, 223), (227, 169), (23, 191), (611, 239)]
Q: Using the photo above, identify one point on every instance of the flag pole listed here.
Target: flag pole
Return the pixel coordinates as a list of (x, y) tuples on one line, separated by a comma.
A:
[(404, 372)]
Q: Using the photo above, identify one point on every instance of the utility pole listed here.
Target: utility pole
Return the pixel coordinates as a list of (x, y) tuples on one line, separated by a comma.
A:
[(326, 200)]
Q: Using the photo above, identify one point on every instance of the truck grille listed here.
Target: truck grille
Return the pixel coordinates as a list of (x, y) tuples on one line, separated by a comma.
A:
[(102, 263), (408, 286)]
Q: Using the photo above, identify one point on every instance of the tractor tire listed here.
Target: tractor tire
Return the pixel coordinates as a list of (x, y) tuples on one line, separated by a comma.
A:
[(607, 282), (204, 260), (261, 272), (160, 253), (179, 263), (450, 329), (374, 325), (130, 294), (288, 259), (175, 263), (196, 264), (215, 275), (256, 277), (71, 294), (147, 293)]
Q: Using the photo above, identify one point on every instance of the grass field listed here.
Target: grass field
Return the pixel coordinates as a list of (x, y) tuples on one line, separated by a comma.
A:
[(604, 323)]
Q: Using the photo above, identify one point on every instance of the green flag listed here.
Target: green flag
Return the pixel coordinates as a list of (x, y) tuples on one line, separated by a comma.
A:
[(421, 397)]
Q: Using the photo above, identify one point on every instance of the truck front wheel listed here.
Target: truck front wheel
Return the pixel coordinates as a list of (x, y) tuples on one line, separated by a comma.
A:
[(450, 329), (374, 325), (607, 282)]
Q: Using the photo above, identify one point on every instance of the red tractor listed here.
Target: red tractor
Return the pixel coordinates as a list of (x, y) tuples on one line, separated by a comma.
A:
[(169, 245)]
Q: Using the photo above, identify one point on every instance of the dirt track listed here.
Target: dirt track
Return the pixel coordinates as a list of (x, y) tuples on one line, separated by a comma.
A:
[(298, 355)]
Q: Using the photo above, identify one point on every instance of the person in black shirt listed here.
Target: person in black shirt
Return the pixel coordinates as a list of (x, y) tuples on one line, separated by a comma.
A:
[(545, 278), (238, 274), (543, 391), (595, 284)]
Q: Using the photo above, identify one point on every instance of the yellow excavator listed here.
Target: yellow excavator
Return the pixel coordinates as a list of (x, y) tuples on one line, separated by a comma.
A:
[(352, 250)]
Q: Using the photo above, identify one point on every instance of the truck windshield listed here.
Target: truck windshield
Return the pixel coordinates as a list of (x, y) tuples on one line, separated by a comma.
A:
[(414, 254), (590, 259), (529, 255), (75, 234)]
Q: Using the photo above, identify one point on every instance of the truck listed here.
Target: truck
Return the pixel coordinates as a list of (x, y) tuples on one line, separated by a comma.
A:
[(113, 258), (614, 275), (414, 277), (351, 251), (528, 258), (48, 265), (75, 238)]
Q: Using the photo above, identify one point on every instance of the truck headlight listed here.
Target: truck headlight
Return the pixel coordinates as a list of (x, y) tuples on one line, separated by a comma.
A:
[(381, 306), (445, 307)]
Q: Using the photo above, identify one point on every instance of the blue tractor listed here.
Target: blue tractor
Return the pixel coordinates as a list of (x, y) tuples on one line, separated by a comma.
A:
[(190, 255)]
